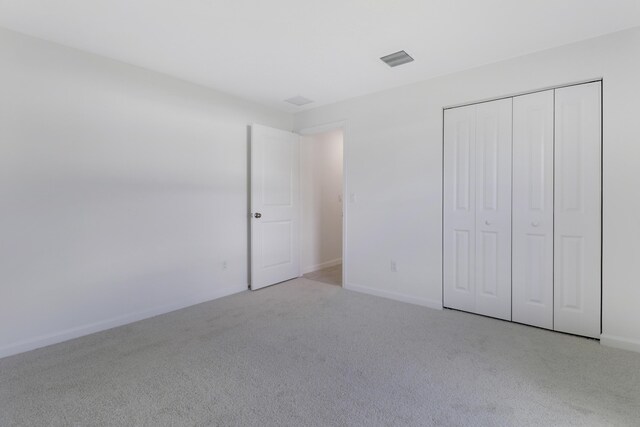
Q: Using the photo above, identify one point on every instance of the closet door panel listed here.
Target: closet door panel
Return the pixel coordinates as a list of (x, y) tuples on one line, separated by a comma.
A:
[(532, 208), (459, 208), (577, 210), (493, 208)]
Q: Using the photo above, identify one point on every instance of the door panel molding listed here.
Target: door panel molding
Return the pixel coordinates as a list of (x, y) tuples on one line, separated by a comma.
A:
[(477, 209), (532, 213), (578, 218), (555, 201), (274, 206)]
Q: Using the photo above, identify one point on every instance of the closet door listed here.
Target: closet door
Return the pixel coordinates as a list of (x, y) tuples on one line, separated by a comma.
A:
[(577, 210), (477, 209), (459, 208), (533, 209), (493, 209)]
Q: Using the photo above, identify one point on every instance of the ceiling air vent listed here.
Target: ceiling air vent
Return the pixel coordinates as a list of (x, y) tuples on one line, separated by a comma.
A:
[(398, 58), (298, 100)]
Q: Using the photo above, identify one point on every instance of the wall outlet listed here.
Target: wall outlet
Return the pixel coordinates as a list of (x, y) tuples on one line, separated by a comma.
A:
[(394, 266), (224, 265)]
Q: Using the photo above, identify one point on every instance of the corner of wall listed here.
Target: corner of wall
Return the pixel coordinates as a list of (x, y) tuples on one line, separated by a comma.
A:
[(424, 302), (620, 342)]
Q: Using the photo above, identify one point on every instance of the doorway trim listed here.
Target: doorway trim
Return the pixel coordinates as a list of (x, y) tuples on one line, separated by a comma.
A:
[(326, 127)]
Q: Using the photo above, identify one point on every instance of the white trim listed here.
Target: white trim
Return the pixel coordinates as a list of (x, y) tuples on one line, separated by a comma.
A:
[(620, 342), (340, 124), (321, 266), (527, 92), (323, 128), (300, 272), (68, 334), (345, 198), (425, 302)]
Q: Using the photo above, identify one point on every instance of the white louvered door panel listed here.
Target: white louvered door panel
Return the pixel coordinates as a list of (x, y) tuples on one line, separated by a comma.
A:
[(577, 238), (493, 209), (532, 212), (459, 208)]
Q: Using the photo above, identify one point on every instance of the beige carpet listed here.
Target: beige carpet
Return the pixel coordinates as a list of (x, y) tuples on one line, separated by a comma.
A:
[(330, 275), (305, 353)]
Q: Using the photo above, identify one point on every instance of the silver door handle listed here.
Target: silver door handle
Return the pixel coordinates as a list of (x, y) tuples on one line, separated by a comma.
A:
[(487, 223), (535, 223), (257, 215)]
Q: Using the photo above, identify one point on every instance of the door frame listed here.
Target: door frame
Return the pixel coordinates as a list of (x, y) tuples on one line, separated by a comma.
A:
[(314, 130)]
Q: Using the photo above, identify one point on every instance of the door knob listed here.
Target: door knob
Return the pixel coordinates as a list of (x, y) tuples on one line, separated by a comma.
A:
[(487, 223), (535, 223), (257, 215)]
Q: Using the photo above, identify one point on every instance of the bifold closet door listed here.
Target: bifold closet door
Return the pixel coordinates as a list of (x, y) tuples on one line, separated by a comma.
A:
[(493, 208), (532, 212), (577, 252), (477, 200), (459, 208)]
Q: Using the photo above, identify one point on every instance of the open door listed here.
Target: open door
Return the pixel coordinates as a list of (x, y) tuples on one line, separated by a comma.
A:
[(275, 209)]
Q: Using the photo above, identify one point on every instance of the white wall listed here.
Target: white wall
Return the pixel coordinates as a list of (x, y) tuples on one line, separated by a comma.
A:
[(321, 199), (393, 152), (122, 191)]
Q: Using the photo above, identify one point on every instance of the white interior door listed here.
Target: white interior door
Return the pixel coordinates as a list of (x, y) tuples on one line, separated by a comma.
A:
[(532, 281), (577, 210), (493, 208), (459, 208), (274, 206)]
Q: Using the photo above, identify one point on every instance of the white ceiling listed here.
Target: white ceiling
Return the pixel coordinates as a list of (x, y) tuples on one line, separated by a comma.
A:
[(325, 50)]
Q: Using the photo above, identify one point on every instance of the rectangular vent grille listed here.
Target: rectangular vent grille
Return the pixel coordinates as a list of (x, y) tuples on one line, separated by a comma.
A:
[(299, 101), (397, 58)]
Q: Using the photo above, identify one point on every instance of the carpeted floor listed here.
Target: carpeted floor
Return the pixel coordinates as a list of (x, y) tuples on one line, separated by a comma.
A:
[(305, 353)]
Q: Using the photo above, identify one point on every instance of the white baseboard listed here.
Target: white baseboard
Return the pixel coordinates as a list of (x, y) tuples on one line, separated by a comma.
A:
[(327, 264), (620, 342), (425, 302), (68, 334)]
